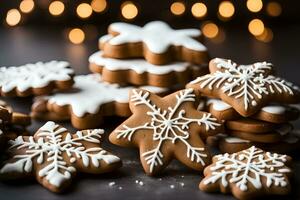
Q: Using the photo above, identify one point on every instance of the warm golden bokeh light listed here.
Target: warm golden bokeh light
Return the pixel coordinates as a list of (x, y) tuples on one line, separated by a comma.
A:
[(13, 17), (226, 9), (199, 10), (56, 8), (129, 10), (210, 30), (177, 8), (76, 36), (254, 5), (26, 6), (84, 10), (274, 9), (266, 36), (99, 5), (256, 27)]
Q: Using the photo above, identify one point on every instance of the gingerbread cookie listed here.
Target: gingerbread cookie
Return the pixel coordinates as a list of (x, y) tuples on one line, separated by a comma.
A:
[(250, 125), (166, 128), (53, 156), (157, 42), (270, 113), (248, 174), (88, 102), (247, 88), (140, 72), (35, 79)]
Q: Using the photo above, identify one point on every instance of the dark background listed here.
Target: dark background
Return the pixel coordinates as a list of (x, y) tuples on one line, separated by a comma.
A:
[(41, 37)]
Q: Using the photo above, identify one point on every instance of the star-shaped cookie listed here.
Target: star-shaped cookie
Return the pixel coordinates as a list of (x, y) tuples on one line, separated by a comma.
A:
[(248, 174), (156, 41), (53, 156), (247, 88), (166, 128)]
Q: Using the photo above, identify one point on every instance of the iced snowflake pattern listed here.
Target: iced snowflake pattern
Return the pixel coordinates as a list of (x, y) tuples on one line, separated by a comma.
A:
[(171, 125), (49, 147), (249, 167), (249, 82)]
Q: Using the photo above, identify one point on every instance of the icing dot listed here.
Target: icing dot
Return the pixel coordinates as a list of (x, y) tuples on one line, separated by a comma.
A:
[(111, 184), (172, 186), (254, 103), (72, 160)]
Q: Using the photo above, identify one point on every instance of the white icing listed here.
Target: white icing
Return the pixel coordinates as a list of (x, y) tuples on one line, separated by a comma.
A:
[(249, 167), (248, 82), (168, 125), (90, 94), (140, 66), (274, 109), (157, 36), (234, 140), (49, 146), (218, 105), (36, 75)]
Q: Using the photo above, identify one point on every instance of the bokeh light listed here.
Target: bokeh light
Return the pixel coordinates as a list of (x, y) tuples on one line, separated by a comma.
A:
[(99, 5), (266, 36), (256, 27), (210, 30), (56, 8), (254, 5), (129, 10), (199, 10), (177, 8), (26, 6), (84, 10), (226, 9), (13, 17), (76, 36), (274, 9)]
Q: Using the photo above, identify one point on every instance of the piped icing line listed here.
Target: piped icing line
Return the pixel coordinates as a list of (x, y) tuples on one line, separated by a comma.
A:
[(37, 75), (234, 140), (139, 66), (89, 94), (158, 36)]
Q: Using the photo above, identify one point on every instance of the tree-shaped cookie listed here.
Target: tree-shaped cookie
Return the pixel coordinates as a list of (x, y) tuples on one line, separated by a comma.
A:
[(247, 88), (166, 128), (156, 41), (53, 156), (248, 174)]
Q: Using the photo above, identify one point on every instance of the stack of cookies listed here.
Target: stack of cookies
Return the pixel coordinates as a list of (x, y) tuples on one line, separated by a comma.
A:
[(155, 57), (253, 104)]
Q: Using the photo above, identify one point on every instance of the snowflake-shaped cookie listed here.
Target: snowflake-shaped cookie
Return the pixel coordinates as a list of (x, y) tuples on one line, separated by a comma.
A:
[(54, 155), (35, 79), (247, 88), (248, 174), (156, 41), (166, 127)]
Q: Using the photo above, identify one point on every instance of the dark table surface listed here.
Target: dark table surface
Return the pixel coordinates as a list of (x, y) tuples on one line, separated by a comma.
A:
[(29, 44)]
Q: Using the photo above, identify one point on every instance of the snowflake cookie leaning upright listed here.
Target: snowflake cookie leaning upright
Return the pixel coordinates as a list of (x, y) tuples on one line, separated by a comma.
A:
[(35, 79), (157, 42), (166, 128), (247, 88), (53, 156), (248, 174)]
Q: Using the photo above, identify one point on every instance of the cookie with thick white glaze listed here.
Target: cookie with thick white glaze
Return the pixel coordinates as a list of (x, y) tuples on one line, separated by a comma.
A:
[(157, 42), (165, 129), (88, 102), (140, 72), (53, 156), (248, 174), (35, 79), (247, 88)]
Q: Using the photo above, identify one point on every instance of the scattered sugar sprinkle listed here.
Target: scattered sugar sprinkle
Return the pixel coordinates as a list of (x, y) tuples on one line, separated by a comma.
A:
[(160, 179), (120, 188), (182, 184), (136, 181), (111, 184), (172, 186), (182, 176), (141, 183)]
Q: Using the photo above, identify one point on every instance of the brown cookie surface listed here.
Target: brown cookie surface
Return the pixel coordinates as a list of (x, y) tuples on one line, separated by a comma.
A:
[(35, 79), (247, 88), (54, 156), (157, 42), (248, 174), (88, 102), (250, 125), (166, 128)]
